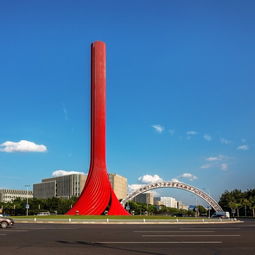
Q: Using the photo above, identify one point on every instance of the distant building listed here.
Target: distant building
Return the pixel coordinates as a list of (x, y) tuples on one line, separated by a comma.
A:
[(166, 201), (181, 205), (67, 186), (119, 185), (146, 198), (8, 195)]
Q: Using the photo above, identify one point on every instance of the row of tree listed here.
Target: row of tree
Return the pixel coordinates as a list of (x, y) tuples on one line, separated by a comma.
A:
[(53, 205), (61, 206), (239, 203)]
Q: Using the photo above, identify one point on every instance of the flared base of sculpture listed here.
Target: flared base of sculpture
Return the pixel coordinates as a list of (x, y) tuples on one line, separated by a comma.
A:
[(98, 197)]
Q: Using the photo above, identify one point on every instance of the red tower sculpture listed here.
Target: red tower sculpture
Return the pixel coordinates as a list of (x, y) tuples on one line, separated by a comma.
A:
[(97, 195)]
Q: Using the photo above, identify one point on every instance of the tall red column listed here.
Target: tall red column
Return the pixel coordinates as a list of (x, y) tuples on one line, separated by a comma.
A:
[(98, 195)]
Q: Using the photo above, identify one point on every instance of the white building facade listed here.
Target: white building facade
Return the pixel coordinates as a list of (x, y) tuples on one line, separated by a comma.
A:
[(71, 185), (8, 195), (65, 186), (166, 201)]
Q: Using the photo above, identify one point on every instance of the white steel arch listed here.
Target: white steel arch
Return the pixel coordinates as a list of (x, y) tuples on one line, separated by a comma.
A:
[(177, 185)]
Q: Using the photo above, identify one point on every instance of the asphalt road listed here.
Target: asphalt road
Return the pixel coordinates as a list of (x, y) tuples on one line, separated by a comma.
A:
[(194, 239)]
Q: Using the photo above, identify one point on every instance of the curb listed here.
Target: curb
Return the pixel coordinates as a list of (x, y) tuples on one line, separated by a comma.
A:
[(125, 222)]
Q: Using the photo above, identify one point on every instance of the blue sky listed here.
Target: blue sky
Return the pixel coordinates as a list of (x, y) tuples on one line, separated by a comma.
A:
[(180, 90)]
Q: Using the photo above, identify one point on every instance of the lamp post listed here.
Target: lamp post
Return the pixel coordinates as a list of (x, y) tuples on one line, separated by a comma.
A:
[(27, 205), (209, 211), (196, 209)]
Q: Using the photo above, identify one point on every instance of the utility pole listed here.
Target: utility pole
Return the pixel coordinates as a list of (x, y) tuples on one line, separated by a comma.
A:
[(196, 208), (27, 205), (209, 211)]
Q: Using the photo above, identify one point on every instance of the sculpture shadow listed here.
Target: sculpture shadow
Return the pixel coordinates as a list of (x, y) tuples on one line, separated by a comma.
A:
[(108, 246)]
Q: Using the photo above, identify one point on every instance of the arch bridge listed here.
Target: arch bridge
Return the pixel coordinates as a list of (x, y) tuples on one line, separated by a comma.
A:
[(177, 185)]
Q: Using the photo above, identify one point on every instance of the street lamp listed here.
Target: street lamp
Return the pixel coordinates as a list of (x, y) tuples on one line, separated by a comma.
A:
[(27, 205), (209, 211)]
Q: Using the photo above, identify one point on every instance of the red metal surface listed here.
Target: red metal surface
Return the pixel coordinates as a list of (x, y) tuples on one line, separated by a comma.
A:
[(97, 195)]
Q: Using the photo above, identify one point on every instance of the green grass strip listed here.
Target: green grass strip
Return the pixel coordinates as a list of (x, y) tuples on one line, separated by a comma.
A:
[(91, 217)]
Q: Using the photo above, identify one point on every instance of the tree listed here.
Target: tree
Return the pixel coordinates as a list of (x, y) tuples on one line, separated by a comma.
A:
[(233, 207), (246, 203), (252, 205), (201, 210), (241, 202)]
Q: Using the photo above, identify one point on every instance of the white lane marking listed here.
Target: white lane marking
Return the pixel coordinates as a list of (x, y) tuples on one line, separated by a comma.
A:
[(175, 242), (190, 235), (18, 230), (27, 229), (174, 231), (212, 228)]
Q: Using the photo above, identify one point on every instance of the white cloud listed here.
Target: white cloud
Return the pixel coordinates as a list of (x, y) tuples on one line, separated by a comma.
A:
[(133, 187), (219, 162), (207, 137), (145, 179), (158, 128), (206, 166), (212, 159), (174, 180), (171, 131), (188, 176), (150, 178), (217, 158), (224, 166), (225, 141), (64, 172), (243, 147), (191, 132), (22, 146)]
